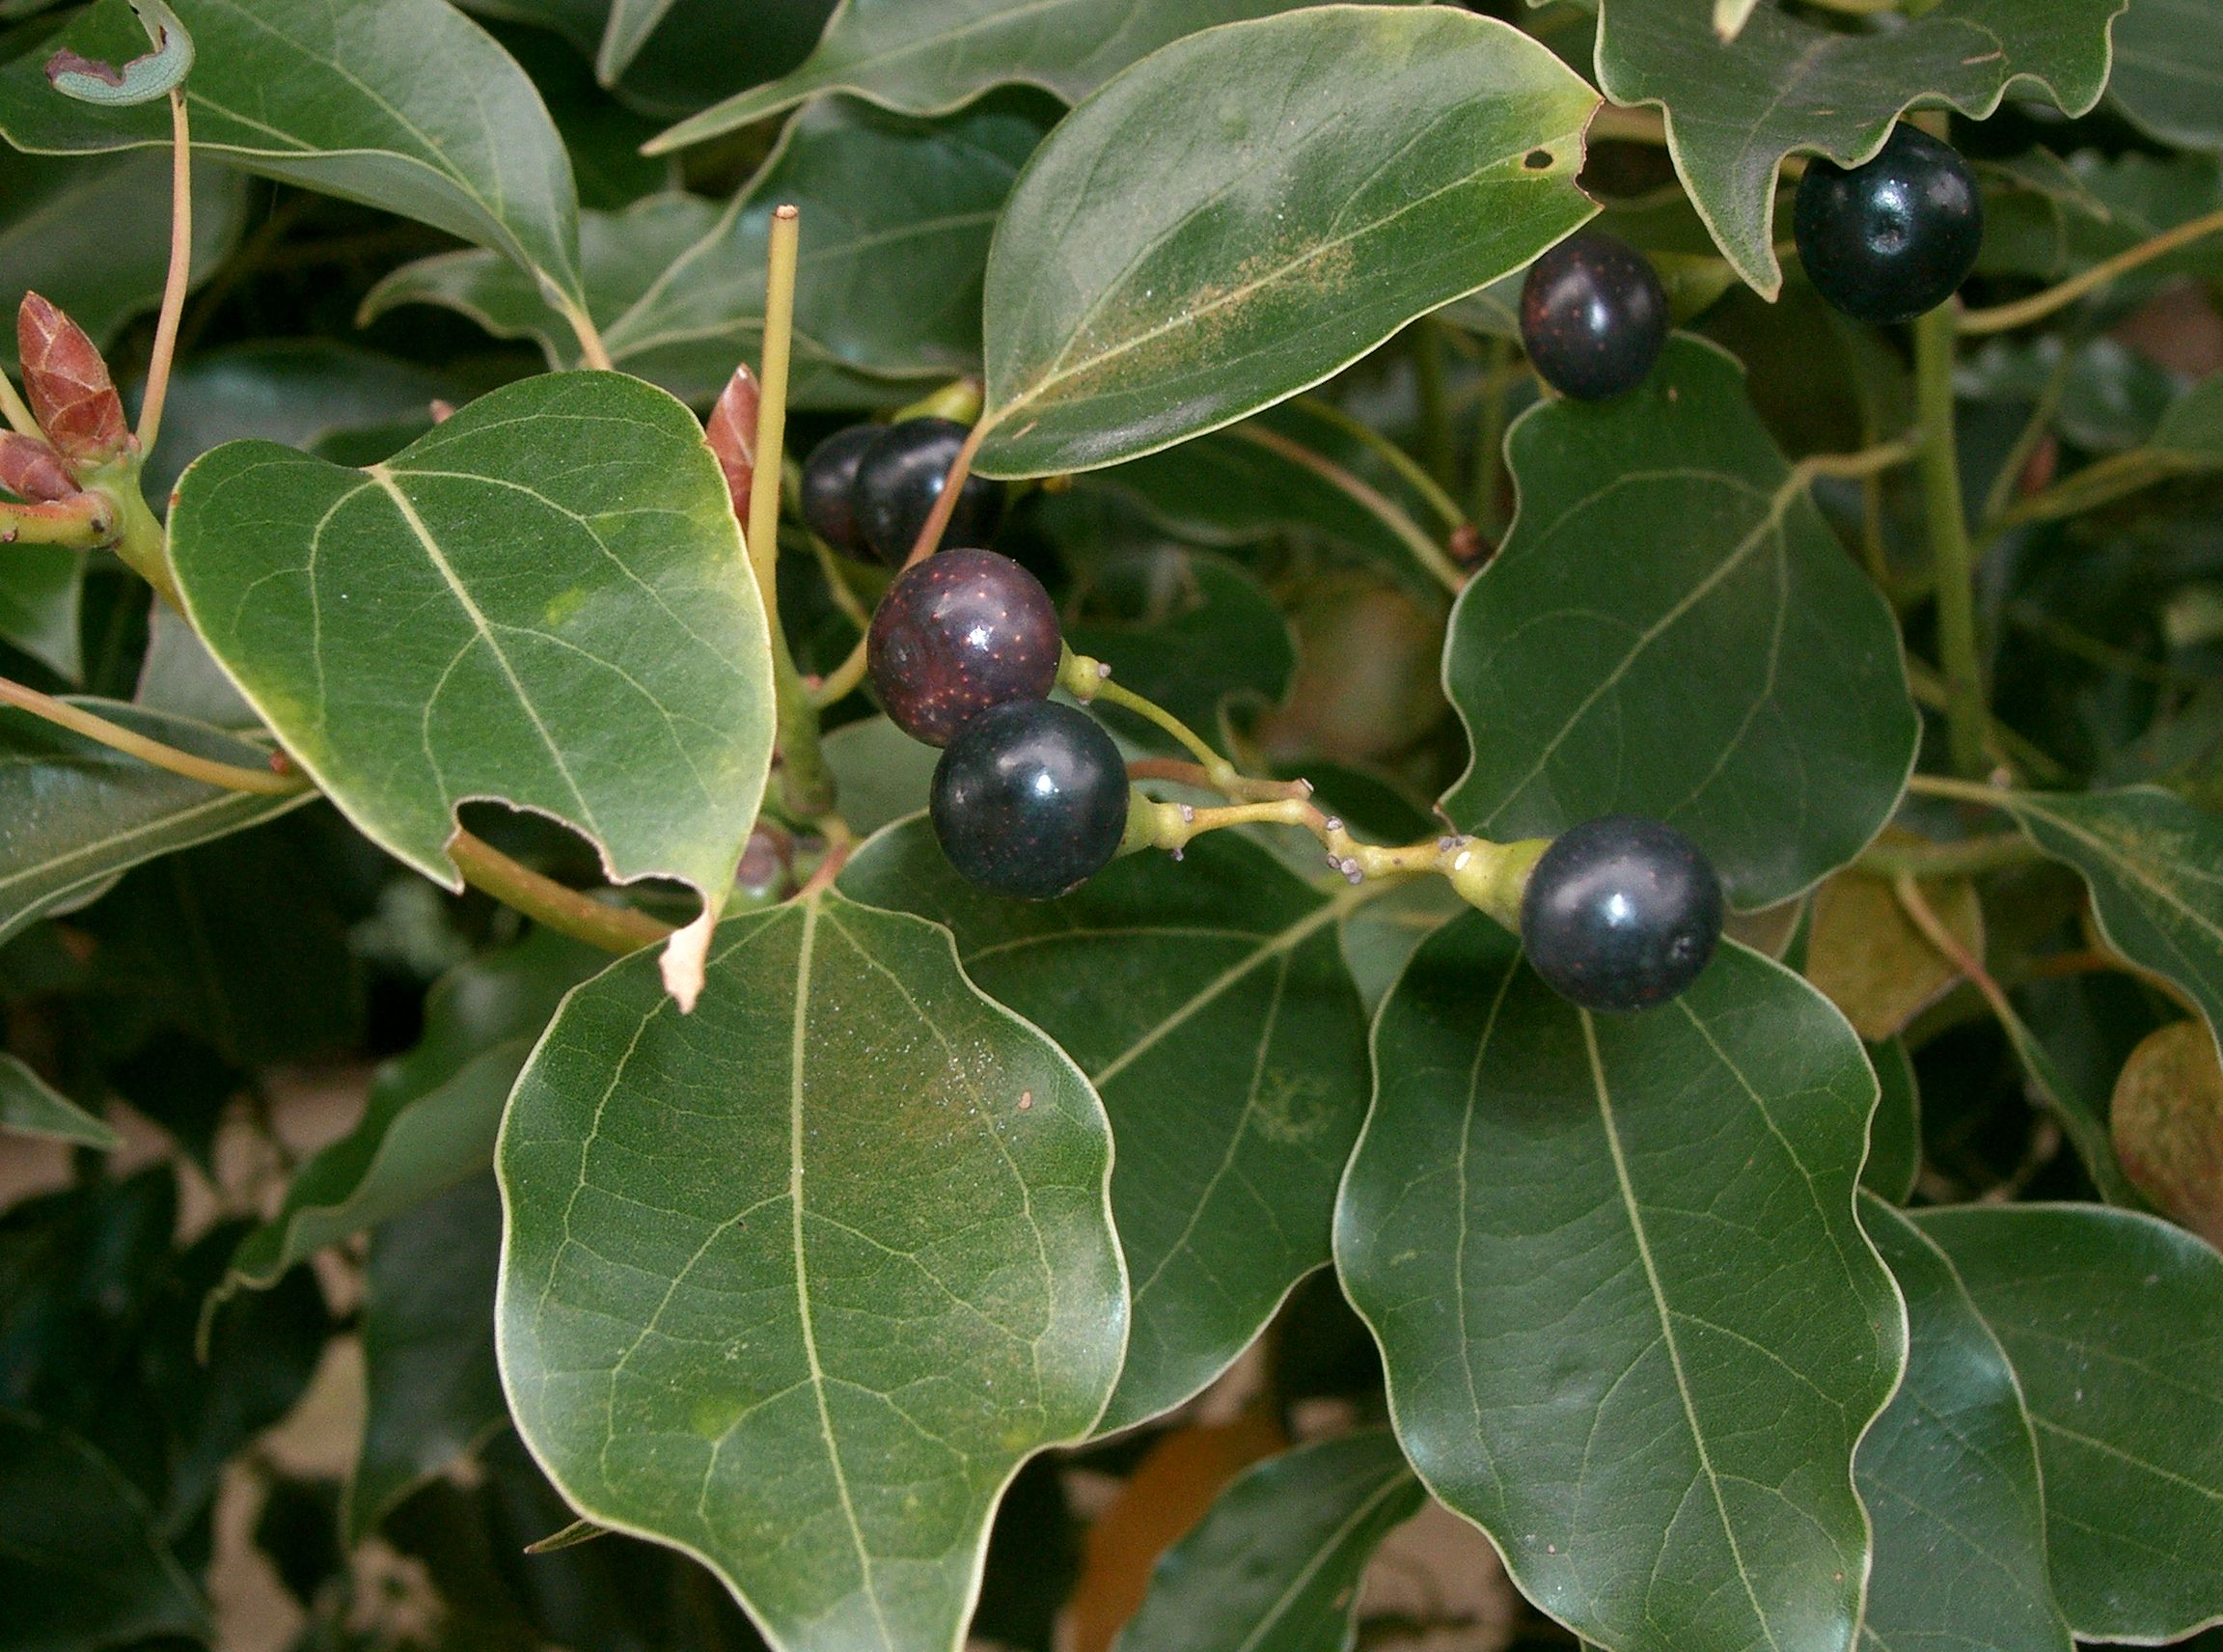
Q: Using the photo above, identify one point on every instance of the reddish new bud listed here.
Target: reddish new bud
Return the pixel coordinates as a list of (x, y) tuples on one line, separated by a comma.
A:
[(68, 386), (32, 471), (733, 436)]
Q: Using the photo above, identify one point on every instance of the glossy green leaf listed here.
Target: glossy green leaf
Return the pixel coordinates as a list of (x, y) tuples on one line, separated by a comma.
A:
[(1631, 1329), (543, 600), (75, 814), (2114, 1323), (880, 773), (2168, 64), (1950, 1476), (1895, 1135), (1274, 1565), (1381, 937), (431, 1391), (1245, 212), (1787, 85), (30, 1106), (40, 607), (1193, 633), (81, 1565), (2155, 865), (1672, 629), (896, 220), (796, 1284), (93, 233), (928, 57), (1208, 1005), (405, 104), (433, 1114)]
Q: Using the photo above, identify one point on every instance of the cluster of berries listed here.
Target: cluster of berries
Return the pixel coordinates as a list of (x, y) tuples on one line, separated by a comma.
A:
[(1029, 797), (1883, 242)]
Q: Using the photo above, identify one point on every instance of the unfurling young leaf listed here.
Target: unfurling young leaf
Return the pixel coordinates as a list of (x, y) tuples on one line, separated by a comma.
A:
[(732, 434)]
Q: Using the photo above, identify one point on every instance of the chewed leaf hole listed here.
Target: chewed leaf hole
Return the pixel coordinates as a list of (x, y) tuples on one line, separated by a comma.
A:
[(1538, 159)]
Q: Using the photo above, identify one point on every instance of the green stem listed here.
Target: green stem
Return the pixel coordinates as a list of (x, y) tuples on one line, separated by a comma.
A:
[(179, 278), (19, 416), (1435, 404), (2036, 308), (615, 930), (230, 777), (1490, 441), (143, 544), (1951, 555), (1089, 679), (1968, 858), (805, 785), (1425, 551), (84, 522), (1407, 467), (1957, 790)]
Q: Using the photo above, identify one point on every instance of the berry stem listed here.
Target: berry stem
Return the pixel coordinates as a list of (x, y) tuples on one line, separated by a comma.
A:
[(1087, 680), (1196, 774), (1489, 876), (1952, 557), (937, 521), (230, 777), (2001, 318), (1957, 790), (179, 278)]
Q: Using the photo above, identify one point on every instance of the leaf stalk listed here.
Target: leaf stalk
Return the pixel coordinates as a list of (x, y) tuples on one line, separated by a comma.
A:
[(1951, 553)]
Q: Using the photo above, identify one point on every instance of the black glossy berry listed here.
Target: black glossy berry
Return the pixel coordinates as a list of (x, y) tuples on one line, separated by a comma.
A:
[(828, 477), (1894, 238), (1621, 913), (898, 478), (1593, 316), (956, 634), (1029, 799)]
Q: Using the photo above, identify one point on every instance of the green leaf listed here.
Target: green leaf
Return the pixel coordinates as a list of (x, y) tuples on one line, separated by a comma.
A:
[(1191, 632), (433, 1115), (38, 606), (797, 1283), (543, 600), (2155, 867), (880, 773), (1895, 1134), (1950, 1476), (432, 1394), (1208, 1005), (928, 57), (406, 105), (1597, 1253), (1736, 109), (76, 813), (81, 1562), (1158, 275), (2114, 1322), (30, 1106), (94, 235), (1274, 1565), (1671, 629), (2168, 62), (896, 220)]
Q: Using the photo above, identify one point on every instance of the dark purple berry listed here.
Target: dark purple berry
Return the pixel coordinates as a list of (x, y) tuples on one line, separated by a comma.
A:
[(1621, 913), (828, 477), (957, 634), (1593, 316), (1029, 800), (900, 476), (1892, 239)]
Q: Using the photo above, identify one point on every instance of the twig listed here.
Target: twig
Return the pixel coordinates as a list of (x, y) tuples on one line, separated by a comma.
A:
[(615, 930), (230, 777), (2001, 318), (179, 278)]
